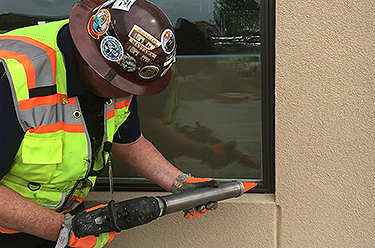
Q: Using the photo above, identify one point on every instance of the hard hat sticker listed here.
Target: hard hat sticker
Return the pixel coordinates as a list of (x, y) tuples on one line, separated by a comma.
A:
[(168, 42), (123, 4), (166, 70), (139, 51), (148, 72), (99, 23), (128, 63), (171, 55), (111, 48), (144, 38), (171, 60)]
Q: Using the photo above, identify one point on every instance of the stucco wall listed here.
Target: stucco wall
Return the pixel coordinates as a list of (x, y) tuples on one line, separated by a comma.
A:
[(325, 84), (325, 112), (248, 221)]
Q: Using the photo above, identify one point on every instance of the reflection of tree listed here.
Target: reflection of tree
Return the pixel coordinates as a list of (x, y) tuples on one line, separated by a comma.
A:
[(237, 17)]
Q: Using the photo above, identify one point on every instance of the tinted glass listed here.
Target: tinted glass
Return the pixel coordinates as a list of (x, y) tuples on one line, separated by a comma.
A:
[(214, 99), (214, 96)]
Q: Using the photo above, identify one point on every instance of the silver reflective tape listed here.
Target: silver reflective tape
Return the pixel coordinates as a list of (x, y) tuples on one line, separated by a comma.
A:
[(51, 114), (39, 58), (63, 195), (107, 107), (14, 96)]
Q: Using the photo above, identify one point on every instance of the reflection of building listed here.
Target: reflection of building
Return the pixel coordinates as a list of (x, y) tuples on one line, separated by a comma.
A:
[(9, 21), (242, 43), (201, 38)]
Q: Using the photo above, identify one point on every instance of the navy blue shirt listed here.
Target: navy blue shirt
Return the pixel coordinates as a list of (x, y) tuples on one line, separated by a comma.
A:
[(11, 133)]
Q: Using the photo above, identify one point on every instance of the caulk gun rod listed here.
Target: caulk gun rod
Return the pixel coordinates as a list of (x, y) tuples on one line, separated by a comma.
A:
[(191, 199)]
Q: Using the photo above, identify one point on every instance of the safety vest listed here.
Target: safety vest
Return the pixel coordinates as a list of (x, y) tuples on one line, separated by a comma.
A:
[(54, 164)]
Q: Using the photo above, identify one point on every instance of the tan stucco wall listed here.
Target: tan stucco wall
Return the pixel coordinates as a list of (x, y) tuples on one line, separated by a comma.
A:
[(325, 123), (237, 223)]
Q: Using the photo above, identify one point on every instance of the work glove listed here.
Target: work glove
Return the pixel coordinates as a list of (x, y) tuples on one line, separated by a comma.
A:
[(185, 182), (221, 155), (224, 153), (248, 161), (97, 226), (68, 239)]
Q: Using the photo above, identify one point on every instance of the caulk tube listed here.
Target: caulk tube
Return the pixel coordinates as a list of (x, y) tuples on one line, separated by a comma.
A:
[(183, 201)]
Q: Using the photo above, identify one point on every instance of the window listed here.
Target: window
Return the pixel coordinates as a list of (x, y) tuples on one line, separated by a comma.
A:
[(221, 90)]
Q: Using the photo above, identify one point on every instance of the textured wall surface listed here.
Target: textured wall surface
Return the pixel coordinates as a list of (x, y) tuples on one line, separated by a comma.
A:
[(248, 221), (325, 123)]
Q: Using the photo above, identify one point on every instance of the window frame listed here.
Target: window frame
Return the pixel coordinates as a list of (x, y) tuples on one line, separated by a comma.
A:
[(268, 94), (267, 185)]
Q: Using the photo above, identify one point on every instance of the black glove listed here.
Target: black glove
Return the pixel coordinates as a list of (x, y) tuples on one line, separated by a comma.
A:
[(69, 239), (98, 225)]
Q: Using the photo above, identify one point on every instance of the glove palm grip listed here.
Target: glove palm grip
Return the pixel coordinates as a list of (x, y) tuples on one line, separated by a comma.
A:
[(116, 216)]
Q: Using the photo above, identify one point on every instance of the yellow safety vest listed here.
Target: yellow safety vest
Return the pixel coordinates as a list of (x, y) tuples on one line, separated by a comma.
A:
[(53, 164)]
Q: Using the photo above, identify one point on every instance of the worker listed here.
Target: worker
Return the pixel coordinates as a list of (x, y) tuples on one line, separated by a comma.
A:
[(68, 100)]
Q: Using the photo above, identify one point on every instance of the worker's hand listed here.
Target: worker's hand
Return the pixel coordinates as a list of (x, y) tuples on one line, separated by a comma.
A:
[(185, 182), (248, 161), (68, 239), (222, 154), (198, 211)]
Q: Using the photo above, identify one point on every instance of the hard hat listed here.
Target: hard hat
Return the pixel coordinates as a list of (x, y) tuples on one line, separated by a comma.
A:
[(129, 43)]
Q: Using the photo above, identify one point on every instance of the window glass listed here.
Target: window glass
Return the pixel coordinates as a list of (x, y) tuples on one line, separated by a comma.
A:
[(214, 99), (20, 13)]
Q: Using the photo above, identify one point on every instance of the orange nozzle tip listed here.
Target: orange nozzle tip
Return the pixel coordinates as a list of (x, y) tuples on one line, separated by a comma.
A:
[(248, 185)]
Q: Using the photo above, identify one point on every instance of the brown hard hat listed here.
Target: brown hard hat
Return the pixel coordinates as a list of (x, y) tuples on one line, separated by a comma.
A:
[(129, 43)]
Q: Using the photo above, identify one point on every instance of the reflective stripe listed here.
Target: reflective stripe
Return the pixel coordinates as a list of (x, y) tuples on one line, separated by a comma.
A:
[(43, 57), (34, 61), (51, 128), (63, 196), (49, 114), (127, 99), (14, 96), (26, 63), (45, 100), (110, 113), (122, 104)]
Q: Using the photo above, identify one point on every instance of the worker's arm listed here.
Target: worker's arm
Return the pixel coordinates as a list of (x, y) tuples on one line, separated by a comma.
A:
[(144, 159), (21, 214)]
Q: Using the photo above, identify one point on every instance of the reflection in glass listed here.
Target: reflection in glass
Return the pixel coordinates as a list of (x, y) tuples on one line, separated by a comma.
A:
[(213, 101), (208, 121)]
